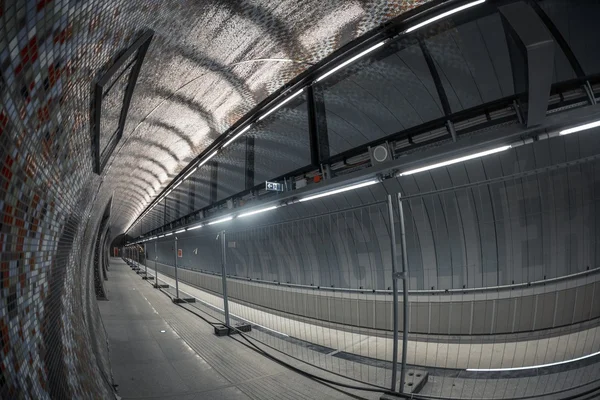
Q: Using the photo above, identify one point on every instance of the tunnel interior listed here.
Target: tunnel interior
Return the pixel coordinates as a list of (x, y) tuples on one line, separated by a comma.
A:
[(376, 190)]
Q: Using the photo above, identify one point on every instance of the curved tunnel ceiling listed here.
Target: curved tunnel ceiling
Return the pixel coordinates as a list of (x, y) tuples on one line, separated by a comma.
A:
[(210, 63)]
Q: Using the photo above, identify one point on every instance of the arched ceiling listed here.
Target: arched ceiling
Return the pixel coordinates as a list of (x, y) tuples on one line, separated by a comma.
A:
[(209, 63)]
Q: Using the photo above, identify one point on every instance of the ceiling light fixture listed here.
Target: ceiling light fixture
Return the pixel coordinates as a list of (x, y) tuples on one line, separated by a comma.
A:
[(356, 57), (181, 230), (195, 227), (580, 128), (287, 100), (256, 212), (214, 153), (237, 135), (455, 160), (341, 190), (190, 173), (220, 220), (444, 15)]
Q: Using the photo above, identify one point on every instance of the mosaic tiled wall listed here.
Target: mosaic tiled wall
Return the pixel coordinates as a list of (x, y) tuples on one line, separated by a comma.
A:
[(52, 344)]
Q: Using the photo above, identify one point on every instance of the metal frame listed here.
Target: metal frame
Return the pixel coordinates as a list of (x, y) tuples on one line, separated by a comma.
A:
[(138, 50), (319, 146)]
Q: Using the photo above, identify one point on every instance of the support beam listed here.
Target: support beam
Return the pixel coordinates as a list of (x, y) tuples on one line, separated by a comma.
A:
[(249, 165), (317, 125), (537, 44), (214, 176)]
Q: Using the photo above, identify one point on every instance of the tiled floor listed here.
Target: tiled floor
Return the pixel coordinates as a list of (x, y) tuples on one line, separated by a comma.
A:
[(150, 360)]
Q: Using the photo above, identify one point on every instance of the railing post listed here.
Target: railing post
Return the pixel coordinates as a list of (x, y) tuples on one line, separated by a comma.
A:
[(176, 280), (224, 276), (404, 291), (395, 297)]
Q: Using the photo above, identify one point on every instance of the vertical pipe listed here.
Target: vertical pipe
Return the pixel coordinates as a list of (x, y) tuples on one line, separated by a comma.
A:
[(224, 277), (395, 297), (155, 267), (145, 261), (176, 280), (404, 291)]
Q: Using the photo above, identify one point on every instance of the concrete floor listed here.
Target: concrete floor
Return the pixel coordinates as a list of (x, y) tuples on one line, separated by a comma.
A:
[(160, 350)]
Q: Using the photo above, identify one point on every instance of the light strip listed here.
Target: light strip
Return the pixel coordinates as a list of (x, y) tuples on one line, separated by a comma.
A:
[(356, 57), (178, 183), (533, 366), (256, 212), (195, 227), (237, 135), (161, 236), (220, 220), (280, 105), (168, 234), (341, 190), (190, 173), (455, 160), (214, 153), (580, 128), (181, 230), (444, 15)]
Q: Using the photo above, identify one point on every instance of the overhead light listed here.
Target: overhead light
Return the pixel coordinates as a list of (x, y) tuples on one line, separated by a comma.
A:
[(351, 60), (533, 366), (455, 160), (178, 183), (341, 190), (256, 212), (444, 15), (181, 230), (190, 173), (287, 100), (168, 234), (161, 236), (580, 128), (237, 135), (214, 153), (195, 227), (220, 220)]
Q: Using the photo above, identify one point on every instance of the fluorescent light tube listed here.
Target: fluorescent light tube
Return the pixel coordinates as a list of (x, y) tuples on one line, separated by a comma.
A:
[(178, 183), (444, 15), (580, 128), (280, 105), (168, 234), (220, 220), (195, 227), (214, 153), (190, 173), (181, 230), (455, 160), (237, 135), (256, 212), (356, 57), (161, 236), (341, 190), (533, 366)]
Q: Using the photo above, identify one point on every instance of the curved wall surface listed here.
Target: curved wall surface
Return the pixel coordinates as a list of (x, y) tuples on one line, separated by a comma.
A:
[(209, 63), (516, 230)]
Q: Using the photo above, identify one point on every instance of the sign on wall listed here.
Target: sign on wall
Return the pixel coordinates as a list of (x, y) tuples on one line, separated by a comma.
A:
[(274, 186), (179, 253)]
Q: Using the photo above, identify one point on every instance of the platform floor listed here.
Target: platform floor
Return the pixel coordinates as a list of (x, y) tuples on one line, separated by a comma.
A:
[(159, 350)]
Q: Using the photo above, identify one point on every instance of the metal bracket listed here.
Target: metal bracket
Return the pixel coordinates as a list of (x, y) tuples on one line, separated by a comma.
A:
[(399, 275)]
